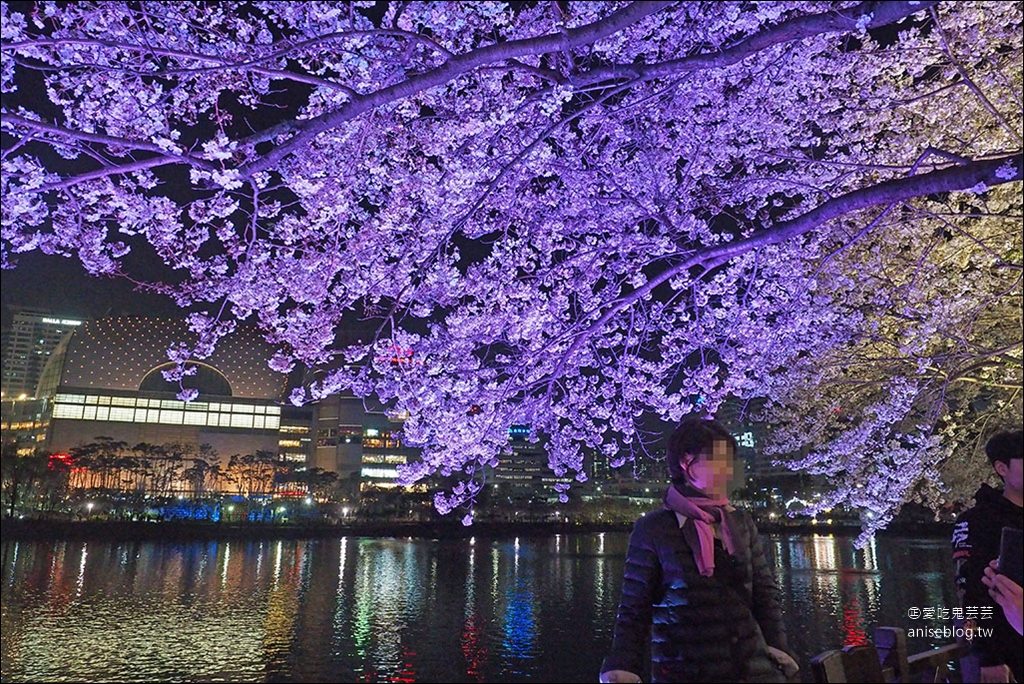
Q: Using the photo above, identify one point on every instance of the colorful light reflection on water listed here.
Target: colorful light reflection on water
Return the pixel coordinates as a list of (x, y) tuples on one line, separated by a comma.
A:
[(397, 610)]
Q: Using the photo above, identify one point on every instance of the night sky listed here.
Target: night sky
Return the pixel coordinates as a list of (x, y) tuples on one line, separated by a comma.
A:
[(62, 285)]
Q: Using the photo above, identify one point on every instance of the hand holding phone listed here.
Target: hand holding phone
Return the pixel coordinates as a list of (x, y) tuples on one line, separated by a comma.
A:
[(1011, 554), (1007, 593)]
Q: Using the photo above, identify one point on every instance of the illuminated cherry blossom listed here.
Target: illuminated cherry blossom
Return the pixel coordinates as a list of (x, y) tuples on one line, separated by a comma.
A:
[(571, 215)]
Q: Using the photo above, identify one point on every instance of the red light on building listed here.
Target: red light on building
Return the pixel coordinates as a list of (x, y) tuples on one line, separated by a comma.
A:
[(64, 461), (400, 357)]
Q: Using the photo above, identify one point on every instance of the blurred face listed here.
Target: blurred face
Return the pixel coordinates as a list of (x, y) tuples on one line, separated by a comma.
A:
[(1013, 476), (711, 472)]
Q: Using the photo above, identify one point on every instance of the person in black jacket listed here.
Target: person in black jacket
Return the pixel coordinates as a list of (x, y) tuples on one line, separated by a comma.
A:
[(697, 582), (976, 536)]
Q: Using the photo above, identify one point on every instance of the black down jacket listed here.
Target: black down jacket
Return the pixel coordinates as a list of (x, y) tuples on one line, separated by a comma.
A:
[(702, 629)]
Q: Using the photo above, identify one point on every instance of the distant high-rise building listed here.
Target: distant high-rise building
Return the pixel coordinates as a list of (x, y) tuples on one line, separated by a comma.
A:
[(523, 471), (27, 346)]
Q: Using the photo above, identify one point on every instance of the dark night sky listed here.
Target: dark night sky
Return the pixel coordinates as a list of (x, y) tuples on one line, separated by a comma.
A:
[(63, 286)]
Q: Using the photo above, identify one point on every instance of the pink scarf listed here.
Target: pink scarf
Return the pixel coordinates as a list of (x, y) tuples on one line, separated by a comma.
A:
[(704, 512)]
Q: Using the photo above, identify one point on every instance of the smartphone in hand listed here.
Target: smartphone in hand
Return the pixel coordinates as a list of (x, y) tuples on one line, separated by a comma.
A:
[(1011, 554)]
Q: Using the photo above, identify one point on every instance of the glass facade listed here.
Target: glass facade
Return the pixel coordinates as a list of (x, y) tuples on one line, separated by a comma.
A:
[(238, 415)]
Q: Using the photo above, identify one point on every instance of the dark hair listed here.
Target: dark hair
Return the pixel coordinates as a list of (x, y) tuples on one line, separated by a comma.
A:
[(1005, 445), (694, 436)]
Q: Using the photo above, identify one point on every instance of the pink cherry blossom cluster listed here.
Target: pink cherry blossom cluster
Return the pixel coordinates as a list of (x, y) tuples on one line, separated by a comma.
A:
[(576, 216)]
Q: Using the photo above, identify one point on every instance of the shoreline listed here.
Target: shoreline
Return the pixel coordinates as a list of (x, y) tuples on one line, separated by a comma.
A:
[(115, 530)]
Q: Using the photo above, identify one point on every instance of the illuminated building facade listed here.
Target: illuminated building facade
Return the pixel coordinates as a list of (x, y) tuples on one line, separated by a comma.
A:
[(294, 443), (106, 379), (522, 471), (33, 336), (358, 439), (383, 452), (23, 423), (339, 435)]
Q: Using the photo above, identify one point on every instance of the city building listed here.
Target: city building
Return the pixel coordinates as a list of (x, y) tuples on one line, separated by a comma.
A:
[(27, 346), (339, 426), (23, 423), (359, 439), (522, 474), (105, 378)]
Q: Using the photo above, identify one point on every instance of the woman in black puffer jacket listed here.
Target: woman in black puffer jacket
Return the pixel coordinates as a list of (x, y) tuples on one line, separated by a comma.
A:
[(697, 580)]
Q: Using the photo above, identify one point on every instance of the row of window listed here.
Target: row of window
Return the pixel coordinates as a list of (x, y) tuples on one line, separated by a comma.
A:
[(295, 429), (384, 458), (173, 404), (343, 431), (380, 473), (165, 412), (381, 443)]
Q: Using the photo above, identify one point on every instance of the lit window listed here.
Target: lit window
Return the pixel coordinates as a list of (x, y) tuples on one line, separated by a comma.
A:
[(122, 415), (172, 417), (67, 411), (241, 421), (385, 473)]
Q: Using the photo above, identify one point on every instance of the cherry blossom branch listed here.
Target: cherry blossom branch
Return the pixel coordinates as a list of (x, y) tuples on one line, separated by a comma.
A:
[(1012, 130), (584, 35), (14, 121), (989, 173), (866, 15), (220, 63), (107, 171)]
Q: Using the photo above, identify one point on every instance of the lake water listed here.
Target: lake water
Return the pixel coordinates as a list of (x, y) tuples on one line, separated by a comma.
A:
[(359, 609)]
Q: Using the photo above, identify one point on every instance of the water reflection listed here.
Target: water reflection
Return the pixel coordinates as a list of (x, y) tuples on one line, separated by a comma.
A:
[(359, 609), (850, 592)]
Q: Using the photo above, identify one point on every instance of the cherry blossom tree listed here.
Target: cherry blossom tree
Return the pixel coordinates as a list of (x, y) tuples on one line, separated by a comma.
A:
[(573, 215)]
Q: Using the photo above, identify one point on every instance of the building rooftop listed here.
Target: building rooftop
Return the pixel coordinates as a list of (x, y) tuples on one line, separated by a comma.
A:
[(118, 354)]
